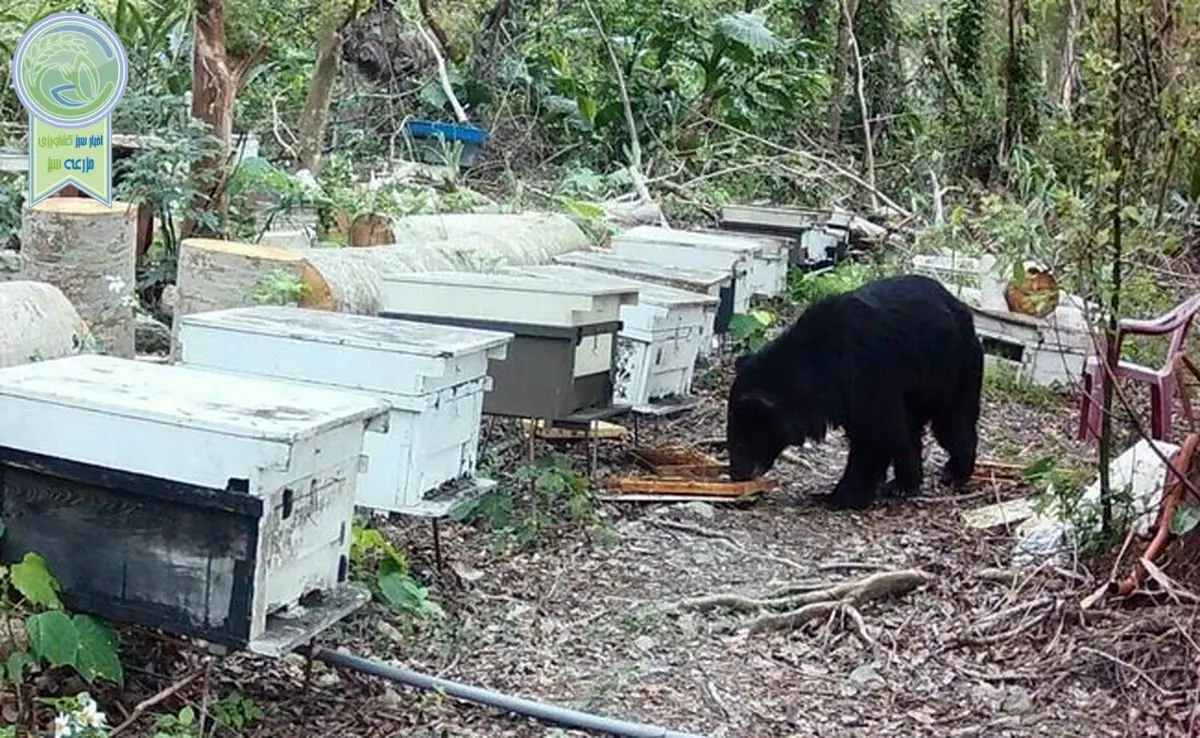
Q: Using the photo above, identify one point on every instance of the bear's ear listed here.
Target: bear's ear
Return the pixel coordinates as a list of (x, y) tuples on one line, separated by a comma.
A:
[(740, 362)]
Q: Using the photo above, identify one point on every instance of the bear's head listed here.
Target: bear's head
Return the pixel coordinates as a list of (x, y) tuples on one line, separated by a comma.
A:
[(764, 416)]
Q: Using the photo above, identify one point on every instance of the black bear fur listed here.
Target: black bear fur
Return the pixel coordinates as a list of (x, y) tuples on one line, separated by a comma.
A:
[(880, 362)]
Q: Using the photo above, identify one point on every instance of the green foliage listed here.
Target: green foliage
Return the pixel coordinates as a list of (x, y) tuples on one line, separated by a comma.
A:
[(556, 490), (376, 561), (808, 287), (279, 287), (1060, 493), (750, 331), (236, 712), (55, 637)]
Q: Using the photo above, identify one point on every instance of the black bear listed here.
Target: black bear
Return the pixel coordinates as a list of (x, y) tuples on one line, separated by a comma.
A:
[(880, 362)]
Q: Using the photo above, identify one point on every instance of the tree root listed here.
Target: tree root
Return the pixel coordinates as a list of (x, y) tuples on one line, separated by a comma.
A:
[(799, 608)]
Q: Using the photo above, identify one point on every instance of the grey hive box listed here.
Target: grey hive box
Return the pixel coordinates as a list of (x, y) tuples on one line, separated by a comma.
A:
[(559, 366), (660, 338), (434, 377), (713, 282), (207, 505)]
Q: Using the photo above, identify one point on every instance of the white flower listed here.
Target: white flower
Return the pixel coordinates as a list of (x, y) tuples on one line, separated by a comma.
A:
[(115, 284), (63, 726)]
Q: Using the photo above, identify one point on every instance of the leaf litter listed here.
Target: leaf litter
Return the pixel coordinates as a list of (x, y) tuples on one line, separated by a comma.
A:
[(605, 619)]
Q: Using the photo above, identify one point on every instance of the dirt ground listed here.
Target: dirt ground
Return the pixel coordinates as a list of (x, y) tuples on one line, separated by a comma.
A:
[(584, 619)]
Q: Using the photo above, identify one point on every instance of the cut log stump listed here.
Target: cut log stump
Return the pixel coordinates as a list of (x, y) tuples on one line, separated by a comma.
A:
[(88, 251), (39, 324)]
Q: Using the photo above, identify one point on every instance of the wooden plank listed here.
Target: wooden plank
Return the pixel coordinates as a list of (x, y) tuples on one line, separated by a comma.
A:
[(685, 486), (601, 430), (648, 498)]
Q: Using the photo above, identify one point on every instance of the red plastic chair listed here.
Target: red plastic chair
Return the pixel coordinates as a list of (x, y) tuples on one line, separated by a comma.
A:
[(1162, 381)]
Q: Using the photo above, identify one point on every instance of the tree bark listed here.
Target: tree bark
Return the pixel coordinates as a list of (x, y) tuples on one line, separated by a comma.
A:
[(847, 8), (88, 251), (217, 76), (315, 118)]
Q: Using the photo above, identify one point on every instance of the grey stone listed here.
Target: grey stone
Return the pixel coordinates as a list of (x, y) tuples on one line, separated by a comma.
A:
[(151, 336)]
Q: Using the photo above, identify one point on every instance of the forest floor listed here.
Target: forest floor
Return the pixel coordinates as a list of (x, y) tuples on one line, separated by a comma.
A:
[(583, 619)]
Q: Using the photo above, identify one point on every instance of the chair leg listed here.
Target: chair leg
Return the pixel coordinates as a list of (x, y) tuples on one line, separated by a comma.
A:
[(1093, 404), (1162, 407)]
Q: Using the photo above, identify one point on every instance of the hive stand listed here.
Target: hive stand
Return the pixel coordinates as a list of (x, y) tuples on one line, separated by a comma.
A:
[(767, 262), (206, 505), (658, 344), (560, 364), (711, 282)]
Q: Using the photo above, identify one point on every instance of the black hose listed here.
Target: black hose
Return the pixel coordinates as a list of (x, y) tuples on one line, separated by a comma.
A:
[(539, 710)]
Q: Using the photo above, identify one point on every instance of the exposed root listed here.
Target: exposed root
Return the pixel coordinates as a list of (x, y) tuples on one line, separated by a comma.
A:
[(796, 608)]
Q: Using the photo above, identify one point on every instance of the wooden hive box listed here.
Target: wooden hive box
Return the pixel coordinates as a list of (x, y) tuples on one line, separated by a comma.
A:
[(660, 337), (713, 282), (1041, 352), (187, 500), (560, 364), (434, 377), (789, 222), (678, 256), (766, 261)]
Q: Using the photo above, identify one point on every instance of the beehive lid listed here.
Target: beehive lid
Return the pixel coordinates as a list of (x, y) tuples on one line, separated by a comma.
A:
[(233, 405), (656, 234), (633, 268), (346, 329), (505, 282), (648, 292)]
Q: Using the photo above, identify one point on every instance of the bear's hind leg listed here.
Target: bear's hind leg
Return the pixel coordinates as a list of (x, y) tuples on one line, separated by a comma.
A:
[(865, 470), (958, 436), (907, 462)]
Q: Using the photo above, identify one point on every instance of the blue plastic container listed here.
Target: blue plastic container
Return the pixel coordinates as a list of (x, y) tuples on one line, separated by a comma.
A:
[(426, 132)]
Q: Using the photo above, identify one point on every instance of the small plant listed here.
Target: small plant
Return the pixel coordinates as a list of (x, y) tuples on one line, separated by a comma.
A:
[(386, 570), (808, 287), (750, 331), (236, 712), (180, 725), (78, 717), (1061, 494), (41, 634), (280, 287), (555, 487)]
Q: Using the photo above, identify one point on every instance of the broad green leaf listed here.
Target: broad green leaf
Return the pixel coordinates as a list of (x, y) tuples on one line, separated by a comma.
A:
[(18, 662), (35, 583), (187, 716), (53, 637), (1185, 521), (764, 317), (98, 656), (402, 592), (583, 209), (749, 29)]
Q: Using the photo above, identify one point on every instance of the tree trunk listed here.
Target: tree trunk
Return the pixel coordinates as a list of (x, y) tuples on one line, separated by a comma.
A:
[(315, 118), (88, 251), (841, 66), (40, 324), (217, 76), (515, 238), (216, 275)]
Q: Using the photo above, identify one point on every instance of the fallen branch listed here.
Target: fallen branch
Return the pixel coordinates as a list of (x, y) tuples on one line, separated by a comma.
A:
[(142, 707)]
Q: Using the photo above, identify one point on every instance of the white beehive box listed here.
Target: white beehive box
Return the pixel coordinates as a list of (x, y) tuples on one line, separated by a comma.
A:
[(660, 336), (1048, 353), (434, 377), (174, 497), (711, 282), (766, 260), (582, 313)]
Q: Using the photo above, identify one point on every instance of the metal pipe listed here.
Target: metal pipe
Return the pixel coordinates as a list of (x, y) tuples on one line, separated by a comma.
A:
[(539, 710)]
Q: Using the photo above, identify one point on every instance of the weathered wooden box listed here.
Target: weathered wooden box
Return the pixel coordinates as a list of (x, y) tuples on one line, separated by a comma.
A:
[(770, 220), (677, 256), (712, 282), (559, 366), (1040, 351), (434, 378), (192, 501), (766, 260), (660, 336)]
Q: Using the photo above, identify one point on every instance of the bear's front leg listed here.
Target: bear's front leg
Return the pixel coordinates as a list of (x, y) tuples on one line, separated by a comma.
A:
[(865, 470)]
